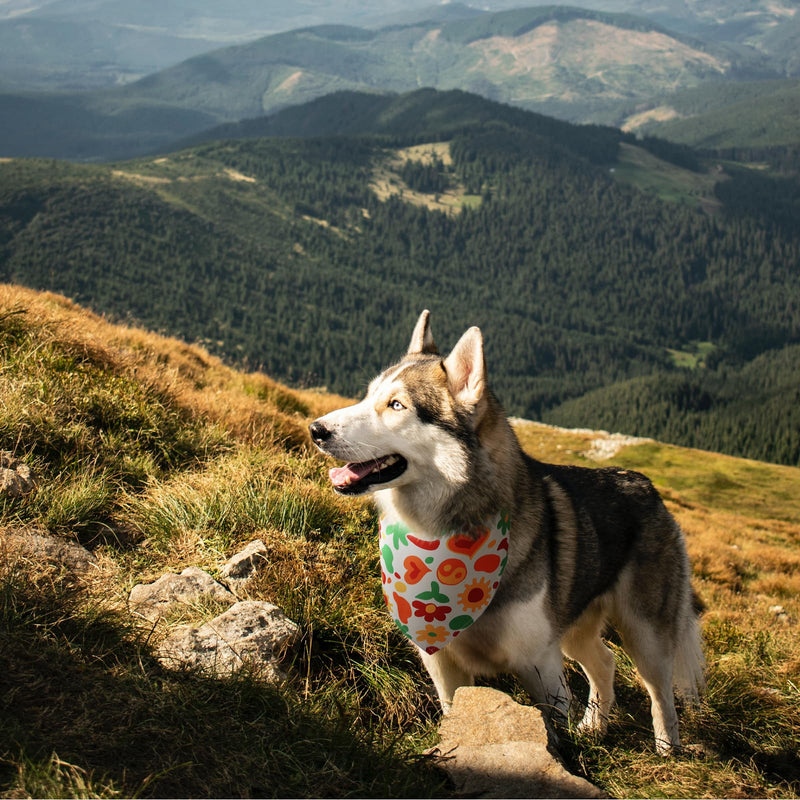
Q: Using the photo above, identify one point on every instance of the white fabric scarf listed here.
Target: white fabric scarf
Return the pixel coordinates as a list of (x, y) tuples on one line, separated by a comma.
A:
[(435, 588)]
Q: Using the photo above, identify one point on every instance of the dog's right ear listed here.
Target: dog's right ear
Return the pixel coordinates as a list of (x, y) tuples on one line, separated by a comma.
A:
[(422, 338)]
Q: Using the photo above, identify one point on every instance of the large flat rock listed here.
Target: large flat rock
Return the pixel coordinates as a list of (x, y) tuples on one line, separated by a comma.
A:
[(154, 600), (492, 746)]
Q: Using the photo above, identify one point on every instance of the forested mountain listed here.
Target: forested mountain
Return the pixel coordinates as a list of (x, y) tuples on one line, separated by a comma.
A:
[(312, 257), (85, 44), (72, 44), (418, 116), (573, 63)]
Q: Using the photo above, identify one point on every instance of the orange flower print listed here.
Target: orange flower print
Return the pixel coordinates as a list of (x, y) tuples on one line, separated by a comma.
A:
[(475, 595), (432, 634)]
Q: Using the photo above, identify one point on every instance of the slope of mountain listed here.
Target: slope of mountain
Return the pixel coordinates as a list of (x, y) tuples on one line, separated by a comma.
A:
[(156, 456), (514, 223), (567, 62), (771, 27)]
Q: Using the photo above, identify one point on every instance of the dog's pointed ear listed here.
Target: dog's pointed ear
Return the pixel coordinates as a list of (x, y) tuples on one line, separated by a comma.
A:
[(422, 338), (466, 368)]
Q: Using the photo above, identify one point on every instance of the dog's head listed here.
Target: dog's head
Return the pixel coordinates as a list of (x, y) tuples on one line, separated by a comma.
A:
[(417, 423)]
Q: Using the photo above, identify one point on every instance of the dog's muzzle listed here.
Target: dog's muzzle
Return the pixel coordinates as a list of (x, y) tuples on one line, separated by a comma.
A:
[(357, 477)]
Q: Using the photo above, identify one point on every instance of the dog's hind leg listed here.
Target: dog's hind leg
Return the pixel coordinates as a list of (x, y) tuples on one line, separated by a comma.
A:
[(653, 653), (583, 644), (447, 675)]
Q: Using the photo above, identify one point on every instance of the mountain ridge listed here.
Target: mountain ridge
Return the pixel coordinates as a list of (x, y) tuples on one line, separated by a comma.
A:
[(567, 62), (533, 209)]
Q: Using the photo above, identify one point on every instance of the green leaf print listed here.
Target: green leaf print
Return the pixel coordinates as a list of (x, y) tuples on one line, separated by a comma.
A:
[(398, 532), (388, 558), (433, 594)]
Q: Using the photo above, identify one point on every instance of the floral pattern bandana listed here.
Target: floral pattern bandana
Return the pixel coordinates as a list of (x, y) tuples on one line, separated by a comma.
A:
[(436, 588)]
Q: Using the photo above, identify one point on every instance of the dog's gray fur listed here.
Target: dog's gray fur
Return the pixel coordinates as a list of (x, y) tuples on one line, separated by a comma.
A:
[(588, 547)]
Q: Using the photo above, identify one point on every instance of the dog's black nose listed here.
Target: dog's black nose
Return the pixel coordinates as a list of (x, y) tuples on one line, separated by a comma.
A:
[(319, 433)]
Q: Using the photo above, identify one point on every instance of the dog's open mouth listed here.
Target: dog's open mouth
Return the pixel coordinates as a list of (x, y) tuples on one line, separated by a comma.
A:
[(356, 478)]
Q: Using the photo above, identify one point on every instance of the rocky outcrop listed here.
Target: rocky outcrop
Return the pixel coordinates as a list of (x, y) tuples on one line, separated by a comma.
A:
[(249, 634), (252, 634), (492, 746), (16, 479), (154, 600)]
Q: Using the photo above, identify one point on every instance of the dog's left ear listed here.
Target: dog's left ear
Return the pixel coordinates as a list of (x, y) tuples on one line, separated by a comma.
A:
[(466, 368), (422, 338)]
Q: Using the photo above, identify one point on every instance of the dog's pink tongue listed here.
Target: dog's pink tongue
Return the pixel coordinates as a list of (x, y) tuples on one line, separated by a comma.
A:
[(342, 476)]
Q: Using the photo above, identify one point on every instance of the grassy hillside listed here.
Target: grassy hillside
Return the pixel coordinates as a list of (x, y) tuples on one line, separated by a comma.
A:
[(558, 60), (156, 456), (517, 224)]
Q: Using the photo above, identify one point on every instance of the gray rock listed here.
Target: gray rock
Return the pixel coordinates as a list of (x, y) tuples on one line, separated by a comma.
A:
[(154, 600), (250, 633), (16, 479), (492, 746), (242, 566), (46, 548)]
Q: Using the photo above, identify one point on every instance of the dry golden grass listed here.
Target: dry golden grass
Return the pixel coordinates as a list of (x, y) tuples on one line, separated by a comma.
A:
[(250, 406)]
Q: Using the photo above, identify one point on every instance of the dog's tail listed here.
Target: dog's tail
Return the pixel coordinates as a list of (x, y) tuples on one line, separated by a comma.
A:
[(689, 672)]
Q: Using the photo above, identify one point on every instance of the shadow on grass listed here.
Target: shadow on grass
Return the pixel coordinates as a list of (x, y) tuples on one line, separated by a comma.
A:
[(82, 686)]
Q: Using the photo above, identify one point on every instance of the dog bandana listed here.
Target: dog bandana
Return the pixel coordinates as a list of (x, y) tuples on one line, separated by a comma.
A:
[(436, 588)]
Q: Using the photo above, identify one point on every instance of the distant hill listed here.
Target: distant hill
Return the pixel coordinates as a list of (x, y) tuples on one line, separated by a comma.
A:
[(546, 58), (84, 44), (571, 63), (770, 27), (311, 258), (421, 115), (759, 114), (68, 54)]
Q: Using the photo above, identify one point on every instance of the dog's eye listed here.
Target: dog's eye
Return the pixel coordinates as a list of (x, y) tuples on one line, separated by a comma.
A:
[(396, 405)]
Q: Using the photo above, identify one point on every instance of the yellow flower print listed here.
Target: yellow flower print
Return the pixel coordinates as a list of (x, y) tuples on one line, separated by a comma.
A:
[(432, 634)]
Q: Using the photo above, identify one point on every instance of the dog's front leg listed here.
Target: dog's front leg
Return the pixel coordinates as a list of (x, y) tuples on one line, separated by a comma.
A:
[(447, 676), (544, 681)]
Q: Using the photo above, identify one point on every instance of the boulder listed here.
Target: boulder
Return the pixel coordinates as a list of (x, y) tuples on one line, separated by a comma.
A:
[(492, 746), (250, 633), (16, 479), (154, 600)]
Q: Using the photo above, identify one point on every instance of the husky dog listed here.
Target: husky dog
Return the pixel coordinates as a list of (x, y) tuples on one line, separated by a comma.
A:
[(586, 547)]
